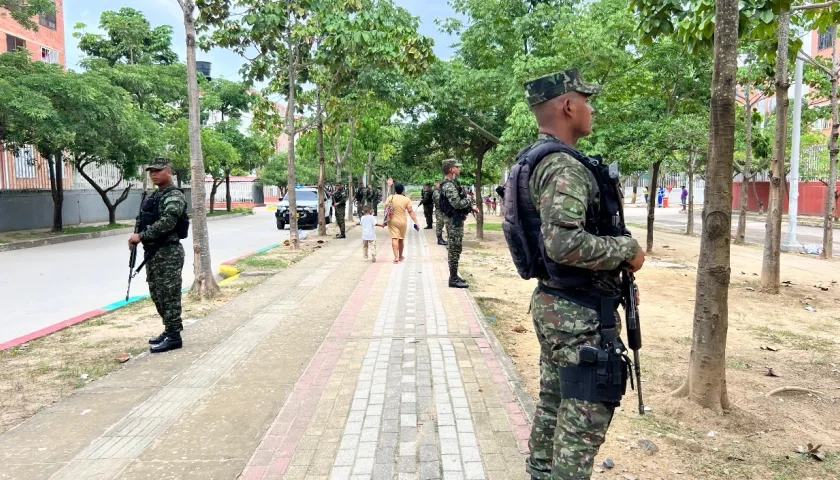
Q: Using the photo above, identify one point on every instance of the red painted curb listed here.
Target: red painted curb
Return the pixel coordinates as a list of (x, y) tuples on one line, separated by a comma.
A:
[(52, 328)]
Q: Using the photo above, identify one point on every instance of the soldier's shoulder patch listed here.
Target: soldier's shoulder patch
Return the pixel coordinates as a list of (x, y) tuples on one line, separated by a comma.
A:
[(572, 207)]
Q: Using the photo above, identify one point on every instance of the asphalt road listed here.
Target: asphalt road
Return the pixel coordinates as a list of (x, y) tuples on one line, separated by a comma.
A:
[(45, 285), (672, 218)]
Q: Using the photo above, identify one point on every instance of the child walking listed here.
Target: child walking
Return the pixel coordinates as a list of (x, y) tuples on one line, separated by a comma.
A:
[(368, 234)]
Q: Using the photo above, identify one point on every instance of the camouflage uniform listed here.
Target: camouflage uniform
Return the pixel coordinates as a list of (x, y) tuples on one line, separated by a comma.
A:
[(163, 269), (340, 205), (567, 433), (426, 201), (441, 219), (455, 227), (361, 199), (376, 197)]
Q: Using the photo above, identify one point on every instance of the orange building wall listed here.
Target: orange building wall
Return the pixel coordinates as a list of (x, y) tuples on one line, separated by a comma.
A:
[(46, 37)]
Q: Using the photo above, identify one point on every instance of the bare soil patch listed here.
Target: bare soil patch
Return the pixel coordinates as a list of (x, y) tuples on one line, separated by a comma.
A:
[(758, 437)]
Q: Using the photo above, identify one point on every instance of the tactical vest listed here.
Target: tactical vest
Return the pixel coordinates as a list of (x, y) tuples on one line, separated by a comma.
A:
[(444, 204), (150, 213), (340, 197), (522, 222)]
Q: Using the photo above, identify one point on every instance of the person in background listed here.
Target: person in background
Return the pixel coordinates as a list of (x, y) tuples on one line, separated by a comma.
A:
[(684, 198), (646, 194), (369, 234), (397, 222), (494, 205), (660, 194), (442, 219), (427, 202), (635, 188)]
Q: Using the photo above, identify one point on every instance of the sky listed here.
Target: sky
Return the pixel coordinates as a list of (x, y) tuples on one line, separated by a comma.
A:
[(225, 64)]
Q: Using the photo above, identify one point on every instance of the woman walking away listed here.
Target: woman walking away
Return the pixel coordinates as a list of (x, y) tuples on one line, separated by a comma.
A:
[(399, 204)]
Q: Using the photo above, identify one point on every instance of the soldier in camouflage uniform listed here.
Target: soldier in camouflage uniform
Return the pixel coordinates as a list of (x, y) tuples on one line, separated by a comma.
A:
[(340, 206), (361, 199), (568, 432), (440, 218), (163, 253), (426, 201), (462, 205)]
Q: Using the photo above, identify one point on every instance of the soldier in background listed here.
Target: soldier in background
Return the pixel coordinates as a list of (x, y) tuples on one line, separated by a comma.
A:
[(456, 205), (160, 215), (360, 196), (439, 216), (340, 205), (427, 201)]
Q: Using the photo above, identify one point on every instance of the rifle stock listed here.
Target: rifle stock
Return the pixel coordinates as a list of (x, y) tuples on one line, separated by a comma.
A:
[(634, 332)]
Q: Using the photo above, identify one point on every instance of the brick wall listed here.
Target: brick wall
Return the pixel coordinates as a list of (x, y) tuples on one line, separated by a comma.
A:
[(44, 37)]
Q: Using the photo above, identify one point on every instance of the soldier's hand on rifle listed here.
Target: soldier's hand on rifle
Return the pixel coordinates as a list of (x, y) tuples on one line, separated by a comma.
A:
[(637, 261), (133, 240)]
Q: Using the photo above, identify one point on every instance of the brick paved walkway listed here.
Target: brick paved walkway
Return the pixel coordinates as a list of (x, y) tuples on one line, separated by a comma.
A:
[(406, 386), (402, 382)]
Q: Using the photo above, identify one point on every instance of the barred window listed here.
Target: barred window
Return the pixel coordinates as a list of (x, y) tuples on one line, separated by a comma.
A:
[(25, 162), (48, 55), (826, 39)]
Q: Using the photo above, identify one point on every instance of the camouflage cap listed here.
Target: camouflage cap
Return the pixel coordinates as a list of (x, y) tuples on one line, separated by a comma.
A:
[(159, 164), (451, 162), (553, 85)]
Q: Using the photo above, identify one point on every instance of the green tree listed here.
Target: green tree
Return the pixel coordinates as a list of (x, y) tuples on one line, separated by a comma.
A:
[(129, 38), (253, 151), (293, 36), (27, 117)]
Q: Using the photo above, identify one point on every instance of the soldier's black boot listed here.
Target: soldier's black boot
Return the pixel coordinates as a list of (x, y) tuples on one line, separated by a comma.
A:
[(429, 227), (171, 342), (158, 339), (441, 241), (340, 235), (455, 281)]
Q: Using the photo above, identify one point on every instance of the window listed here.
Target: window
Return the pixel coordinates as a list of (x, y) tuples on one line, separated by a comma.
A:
[(48, 55), (25, 162), (13, 43), (304, 196), (826, 39), (48, 20)]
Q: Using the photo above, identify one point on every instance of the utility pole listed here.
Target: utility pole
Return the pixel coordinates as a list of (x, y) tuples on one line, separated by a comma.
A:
[(791, 244)]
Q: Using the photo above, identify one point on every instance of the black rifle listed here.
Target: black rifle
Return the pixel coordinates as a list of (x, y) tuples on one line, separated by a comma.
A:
[(634, 332), (132, 259)]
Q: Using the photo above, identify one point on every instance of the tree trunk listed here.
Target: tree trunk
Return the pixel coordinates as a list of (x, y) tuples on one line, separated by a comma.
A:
[(103, 193), (654, 177), (706, 380), (294, 241), (322, 214), (227, 191), (689, 223), (204, 286), (745, 172), (830, 198), (213, 191), (351, 196), (479, 217), (57, 190), (773, 237)]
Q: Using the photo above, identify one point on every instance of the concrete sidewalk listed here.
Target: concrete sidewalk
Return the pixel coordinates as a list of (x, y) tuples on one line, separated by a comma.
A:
[(336, 368)]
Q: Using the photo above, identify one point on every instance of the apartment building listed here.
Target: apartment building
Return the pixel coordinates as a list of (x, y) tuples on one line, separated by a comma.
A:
[(23, 168)]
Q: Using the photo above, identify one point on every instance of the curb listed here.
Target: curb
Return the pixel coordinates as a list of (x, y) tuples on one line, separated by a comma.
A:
[(228, 271), (525, 401), (115, 306), (42, 242)]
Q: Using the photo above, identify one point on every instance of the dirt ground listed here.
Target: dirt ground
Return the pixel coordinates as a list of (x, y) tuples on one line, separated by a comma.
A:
[(43, 371), (758, 437)]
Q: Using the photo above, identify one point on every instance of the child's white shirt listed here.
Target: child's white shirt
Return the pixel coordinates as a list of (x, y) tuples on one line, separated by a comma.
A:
[(368, 226)]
